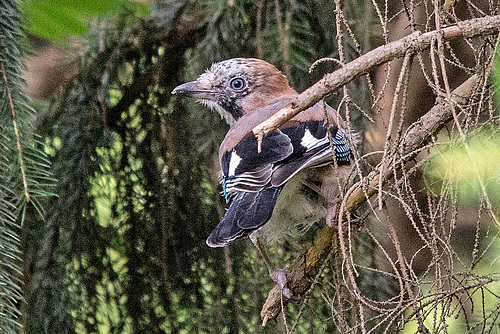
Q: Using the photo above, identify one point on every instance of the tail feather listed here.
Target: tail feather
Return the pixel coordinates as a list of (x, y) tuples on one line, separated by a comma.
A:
[(248, 211)]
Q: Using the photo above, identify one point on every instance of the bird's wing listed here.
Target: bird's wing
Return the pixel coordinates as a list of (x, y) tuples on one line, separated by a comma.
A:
[(311, 147), (248, 211), (254, 180), (246, 175), (246, 169)]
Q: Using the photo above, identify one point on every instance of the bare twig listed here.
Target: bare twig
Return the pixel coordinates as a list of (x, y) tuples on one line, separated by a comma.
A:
[(417, 135), (413, 43)]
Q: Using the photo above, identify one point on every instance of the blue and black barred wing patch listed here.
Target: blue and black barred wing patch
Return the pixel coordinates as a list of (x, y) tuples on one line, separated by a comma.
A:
[(343, 152)]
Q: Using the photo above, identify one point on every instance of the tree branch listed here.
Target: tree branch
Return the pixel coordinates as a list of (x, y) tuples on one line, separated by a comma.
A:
[(302, 272), (413, 43)]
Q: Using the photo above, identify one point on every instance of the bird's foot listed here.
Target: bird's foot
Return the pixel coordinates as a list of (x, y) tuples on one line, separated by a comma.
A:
[(279, 276), (356, 221)]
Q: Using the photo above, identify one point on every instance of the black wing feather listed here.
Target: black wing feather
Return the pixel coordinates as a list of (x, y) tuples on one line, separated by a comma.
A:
[(248, 211)]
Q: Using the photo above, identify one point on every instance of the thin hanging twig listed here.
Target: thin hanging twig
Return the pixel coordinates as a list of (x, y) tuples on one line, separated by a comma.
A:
[(416, 136), (415, 43)]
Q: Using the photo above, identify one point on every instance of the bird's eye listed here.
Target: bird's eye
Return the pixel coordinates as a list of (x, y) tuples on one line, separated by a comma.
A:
[(237, 84)]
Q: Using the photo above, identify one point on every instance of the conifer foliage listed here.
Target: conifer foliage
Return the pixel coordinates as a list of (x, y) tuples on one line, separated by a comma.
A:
[(24, 167)]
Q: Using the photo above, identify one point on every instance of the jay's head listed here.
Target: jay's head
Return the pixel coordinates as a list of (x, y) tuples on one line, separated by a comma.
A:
[(236, 87)]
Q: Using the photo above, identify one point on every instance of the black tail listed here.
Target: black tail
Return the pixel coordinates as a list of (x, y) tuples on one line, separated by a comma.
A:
[(248, 211)]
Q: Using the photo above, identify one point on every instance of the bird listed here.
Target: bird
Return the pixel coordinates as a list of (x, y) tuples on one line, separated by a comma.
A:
[(311, 155)]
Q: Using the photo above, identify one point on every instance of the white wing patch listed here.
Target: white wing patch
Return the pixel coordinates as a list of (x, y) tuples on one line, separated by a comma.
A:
[(310, 142), (233, 163)]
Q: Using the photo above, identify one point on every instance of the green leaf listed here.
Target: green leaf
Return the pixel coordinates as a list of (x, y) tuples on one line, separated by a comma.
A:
[(59, 19)]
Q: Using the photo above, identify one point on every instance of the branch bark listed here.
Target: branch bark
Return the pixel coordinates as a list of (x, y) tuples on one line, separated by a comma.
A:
[(302, 272), (413, 43)]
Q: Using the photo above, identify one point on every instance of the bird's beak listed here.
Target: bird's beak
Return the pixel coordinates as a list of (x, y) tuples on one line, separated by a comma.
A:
[(192, 89)]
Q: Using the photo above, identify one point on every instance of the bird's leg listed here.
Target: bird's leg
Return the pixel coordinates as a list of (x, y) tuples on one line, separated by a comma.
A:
[(331, 212), (277, 275)]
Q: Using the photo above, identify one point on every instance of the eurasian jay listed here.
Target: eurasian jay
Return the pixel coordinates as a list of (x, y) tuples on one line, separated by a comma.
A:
[(246, 92)]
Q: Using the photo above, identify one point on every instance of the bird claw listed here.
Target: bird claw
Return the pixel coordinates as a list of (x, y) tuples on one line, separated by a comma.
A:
[(279, 276), (287, 293), (356, 221)]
